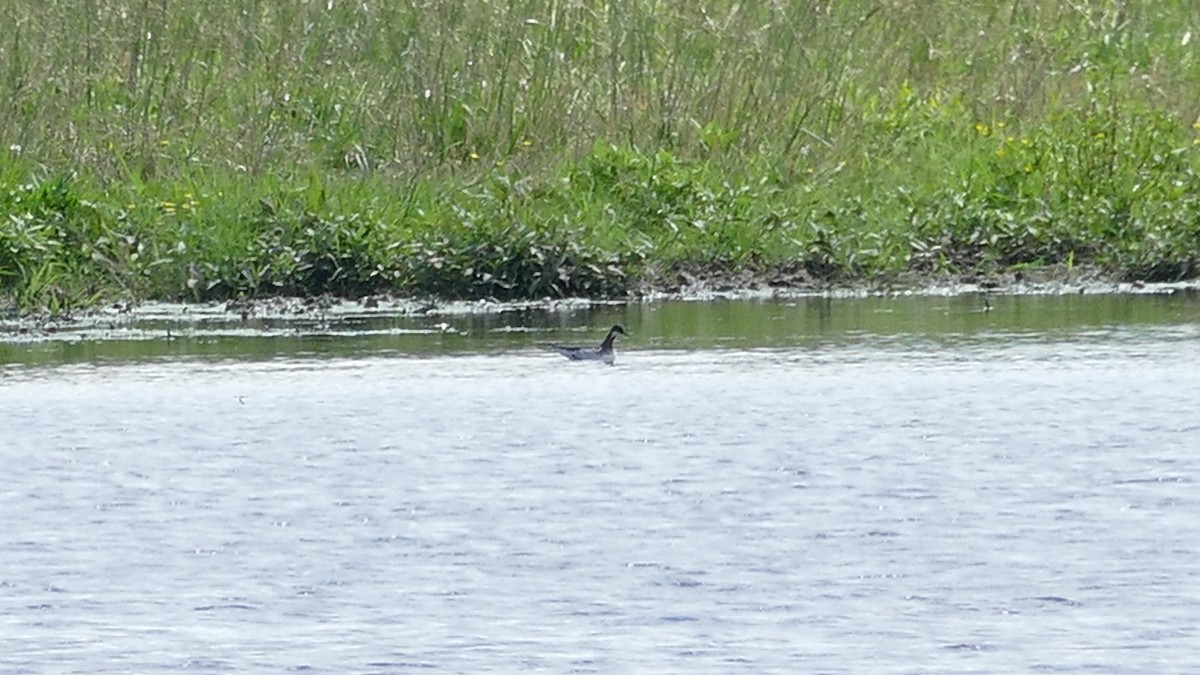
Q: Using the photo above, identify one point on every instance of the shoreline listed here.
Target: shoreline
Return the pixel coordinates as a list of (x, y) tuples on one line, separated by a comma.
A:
[(425, 155), (323, 311)]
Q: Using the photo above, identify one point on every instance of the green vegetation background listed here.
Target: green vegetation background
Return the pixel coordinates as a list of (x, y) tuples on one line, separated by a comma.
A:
[(530, 148)]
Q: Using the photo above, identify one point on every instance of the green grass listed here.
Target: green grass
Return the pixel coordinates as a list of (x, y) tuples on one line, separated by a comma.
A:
[(529, 148)]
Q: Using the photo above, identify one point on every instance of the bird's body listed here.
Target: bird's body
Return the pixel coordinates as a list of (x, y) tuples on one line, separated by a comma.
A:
[(602, 353)]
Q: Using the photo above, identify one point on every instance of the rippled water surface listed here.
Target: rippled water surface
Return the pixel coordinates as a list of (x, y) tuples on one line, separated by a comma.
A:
[(855, 487)]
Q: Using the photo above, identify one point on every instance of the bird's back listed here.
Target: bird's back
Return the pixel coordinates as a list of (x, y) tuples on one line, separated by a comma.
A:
[(576, 353)]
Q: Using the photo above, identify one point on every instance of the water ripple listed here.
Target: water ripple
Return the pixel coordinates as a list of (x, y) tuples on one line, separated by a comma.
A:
[(990, 508)]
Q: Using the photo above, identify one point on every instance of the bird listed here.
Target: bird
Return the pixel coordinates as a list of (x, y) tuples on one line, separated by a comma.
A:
[(602, 353)]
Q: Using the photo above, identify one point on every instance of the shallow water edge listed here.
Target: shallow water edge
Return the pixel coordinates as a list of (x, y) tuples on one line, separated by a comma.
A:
[(325, 328), (324, 311)]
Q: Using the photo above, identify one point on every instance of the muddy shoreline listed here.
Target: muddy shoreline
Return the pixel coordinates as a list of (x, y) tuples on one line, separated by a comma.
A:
[(318, 313)]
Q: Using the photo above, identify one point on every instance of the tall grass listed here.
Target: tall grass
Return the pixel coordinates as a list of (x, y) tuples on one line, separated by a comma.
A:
[(550, 147)]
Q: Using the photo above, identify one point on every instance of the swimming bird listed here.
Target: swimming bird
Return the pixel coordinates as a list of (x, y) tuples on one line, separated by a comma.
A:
[(602, 353)]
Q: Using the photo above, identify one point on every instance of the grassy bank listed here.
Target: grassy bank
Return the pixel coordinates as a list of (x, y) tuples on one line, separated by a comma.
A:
[(546, 148)]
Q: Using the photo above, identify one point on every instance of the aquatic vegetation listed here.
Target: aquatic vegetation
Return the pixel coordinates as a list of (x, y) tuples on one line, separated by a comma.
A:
[(559, 149)]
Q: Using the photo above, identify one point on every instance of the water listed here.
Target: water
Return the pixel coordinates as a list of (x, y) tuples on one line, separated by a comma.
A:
[(857, 487)]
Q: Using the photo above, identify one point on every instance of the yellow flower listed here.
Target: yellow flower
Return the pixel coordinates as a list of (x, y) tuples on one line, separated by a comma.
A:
[(982, 129), (473, 156)]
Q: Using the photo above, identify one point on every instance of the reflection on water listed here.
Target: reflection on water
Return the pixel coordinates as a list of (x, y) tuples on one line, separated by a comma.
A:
[(885, 486), (780, 324)]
